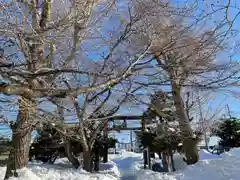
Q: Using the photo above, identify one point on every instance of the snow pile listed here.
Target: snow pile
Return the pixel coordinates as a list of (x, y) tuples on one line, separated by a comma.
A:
[(109, 168), (127, 162), (225, 167), (178, 161), (63, 170), (205, 155), (24, 174)]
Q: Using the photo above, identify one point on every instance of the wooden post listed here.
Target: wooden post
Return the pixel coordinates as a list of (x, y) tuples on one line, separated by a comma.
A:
[(149, 158), (145, 159), (96, 159), (171, 159), (105, 156), (143, 124), (131, 139), (165, 161)]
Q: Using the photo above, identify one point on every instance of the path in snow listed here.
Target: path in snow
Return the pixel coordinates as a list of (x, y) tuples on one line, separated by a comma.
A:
[(126, 162), (129, 177), (130, 164)]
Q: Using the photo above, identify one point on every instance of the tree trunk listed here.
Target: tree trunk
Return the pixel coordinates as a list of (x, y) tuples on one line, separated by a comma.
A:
[(22, 129), (190, 151), (96, 159), (159, 155), (145, 159), (172, 160), (67, 144), (105, 146), (189, 145), (165, 162), (54, 157), (21, 138), (105, 155), (149, 158), (69, 153), (87, 161)]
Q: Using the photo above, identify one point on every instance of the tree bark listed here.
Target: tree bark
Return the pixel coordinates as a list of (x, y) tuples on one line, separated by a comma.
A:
[(96, 159), (21, 138), (67, 144), (105, 146), (105, 155), (172, 160), (87, 161), (145, 159), (165, 161), (69, 153), (22, 129), (189, 144), (149, 158)]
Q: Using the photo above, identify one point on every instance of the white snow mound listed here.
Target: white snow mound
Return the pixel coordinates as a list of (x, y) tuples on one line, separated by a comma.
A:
[(205, 155), (223, 167), (63, 170), (127, 162)]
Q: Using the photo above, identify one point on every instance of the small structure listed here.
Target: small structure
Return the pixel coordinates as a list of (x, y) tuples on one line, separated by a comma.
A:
[(121, 127)]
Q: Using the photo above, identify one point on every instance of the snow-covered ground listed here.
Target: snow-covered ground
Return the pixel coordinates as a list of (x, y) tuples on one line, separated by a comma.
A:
[(127, 163), (128, 166), (210, 167), (205, 155), (63, 170)]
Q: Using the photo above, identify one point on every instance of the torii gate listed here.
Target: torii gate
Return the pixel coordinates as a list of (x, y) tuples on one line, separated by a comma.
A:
[(121, 128)]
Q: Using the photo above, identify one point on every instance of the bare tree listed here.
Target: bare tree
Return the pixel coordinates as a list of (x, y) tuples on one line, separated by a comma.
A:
[(181, 64), (46, 46), (44, 56), (183, 55), (94, 110)]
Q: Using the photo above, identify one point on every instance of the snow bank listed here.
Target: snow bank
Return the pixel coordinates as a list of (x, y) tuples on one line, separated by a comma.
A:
[(225, 167), (127, 162), (205, 155), (63, 170), (178, 161), (109, 168), (24, 174)]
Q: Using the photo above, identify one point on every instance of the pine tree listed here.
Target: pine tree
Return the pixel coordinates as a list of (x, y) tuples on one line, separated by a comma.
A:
[(229, 132), (163, 134), (48, 145)]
